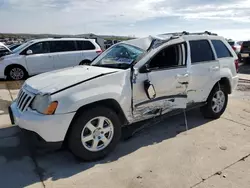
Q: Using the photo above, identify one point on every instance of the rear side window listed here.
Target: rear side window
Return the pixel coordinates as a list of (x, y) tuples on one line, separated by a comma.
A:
[(85, 45), (221, 49), (201, 51), (62, 46)]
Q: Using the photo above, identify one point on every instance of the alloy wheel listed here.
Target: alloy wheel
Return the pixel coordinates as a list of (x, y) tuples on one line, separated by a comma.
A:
[(97, 134)]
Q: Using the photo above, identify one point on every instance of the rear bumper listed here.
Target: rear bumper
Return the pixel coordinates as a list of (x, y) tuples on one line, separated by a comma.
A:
[(2, 68), (234, 82), (243, 56)]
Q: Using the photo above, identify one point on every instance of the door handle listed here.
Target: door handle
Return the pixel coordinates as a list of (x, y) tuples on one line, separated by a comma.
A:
[(182, 75), (214, 68)]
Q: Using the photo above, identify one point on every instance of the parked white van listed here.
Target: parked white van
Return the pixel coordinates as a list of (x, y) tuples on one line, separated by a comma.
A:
[(43, 55)]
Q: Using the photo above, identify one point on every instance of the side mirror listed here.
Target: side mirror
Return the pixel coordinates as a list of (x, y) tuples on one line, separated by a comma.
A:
[(149, 89), (29, 52), (145, 69)]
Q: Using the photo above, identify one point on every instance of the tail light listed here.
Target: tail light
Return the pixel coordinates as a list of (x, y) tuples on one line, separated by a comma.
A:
[(236, 63), (234, 48), (98, 51)]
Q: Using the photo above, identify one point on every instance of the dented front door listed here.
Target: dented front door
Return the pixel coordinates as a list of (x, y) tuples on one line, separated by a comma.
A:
[(170, 87)]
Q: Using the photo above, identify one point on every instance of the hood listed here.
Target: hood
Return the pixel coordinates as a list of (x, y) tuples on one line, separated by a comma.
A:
[(55, 81), (3, 46)]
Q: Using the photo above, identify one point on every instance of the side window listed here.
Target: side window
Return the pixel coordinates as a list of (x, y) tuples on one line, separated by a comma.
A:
[(201, 51), (85, 45), (170, 57), (62, 46), (221, 49), (39, 48)]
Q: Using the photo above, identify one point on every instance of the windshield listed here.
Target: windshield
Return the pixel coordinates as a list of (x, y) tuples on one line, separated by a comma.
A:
[(119, 56), (22, 46), (12, 47)]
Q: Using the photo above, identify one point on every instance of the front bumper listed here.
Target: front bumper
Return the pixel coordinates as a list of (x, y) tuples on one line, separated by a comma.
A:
[(2, 68), (34, 141), (50, 128)]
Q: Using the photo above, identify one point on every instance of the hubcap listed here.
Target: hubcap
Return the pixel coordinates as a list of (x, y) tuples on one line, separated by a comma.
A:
[(16, 73), (97, 134), (218, 101)]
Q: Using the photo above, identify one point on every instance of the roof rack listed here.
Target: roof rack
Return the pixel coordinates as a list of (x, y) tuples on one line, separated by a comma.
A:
[(187, 33)]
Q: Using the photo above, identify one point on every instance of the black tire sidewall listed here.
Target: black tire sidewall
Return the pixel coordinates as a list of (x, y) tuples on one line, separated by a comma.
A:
[(208, 111), (74, 139)]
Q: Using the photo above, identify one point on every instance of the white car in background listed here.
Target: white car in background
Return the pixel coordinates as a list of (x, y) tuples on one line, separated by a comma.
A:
[(43, 55), (236, 45)]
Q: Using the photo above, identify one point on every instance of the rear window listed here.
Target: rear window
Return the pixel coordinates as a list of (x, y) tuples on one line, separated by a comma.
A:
[(62, 46), (85, 45), (231, 43), (201, 51), (246, 43), (221, 49)]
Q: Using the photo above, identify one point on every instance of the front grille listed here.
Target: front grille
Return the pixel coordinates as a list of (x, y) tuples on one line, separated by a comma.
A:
[(24, 99)]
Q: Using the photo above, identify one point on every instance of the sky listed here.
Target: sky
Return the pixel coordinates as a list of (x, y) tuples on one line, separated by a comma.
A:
[(229, 18)]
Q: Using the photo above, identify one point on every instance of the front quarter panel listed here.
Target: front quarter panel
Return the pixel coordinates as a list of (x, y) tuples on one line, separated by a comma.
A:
[(14, 59), (114, 86)]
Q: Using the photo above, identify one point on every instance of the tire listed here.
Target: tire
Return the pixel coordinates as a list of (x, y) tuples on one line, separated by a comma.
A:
[(209, 110), (16, 73), (85, 62), (82, 128)]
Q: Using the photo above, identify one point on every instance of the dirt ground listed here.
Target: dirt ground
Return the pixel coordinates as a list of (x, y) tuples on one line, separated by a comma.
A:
[(164, 154)]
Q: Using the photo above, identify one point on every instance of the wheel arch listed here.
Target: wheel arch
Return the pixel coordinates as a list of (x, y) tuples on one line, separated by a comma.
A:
[(224, 81), (85, 61), (109, 103), (14, 65)]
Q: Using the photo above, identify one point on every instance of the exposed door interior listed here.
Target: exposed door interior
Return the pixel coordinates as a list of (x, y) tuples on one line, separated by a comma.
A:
[(166, 81)]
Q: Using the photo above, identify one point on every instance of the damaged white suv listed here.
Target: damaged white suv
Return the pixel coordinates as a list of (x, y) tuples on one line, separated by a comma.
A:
[(86, 106)]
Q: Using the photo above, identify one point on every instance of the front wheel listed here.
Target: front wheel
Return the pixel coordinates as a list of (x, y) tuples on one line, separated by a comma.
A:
[(16, 73), (94, 133), (216, 103)]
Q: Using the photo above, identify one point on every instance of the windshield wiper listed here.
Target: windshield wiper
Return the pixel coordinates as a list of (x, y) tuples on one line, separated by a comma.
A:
[(117, 65)]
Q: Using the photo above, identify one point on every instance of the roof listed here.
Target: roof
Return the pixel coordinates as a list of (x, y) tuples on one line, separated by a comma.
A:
[(59, 39), (156, 40)]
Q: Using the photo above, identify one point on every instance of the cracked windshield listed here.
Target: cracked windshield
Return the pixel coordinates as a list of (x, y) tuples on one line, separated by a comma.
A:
[(124, 94)]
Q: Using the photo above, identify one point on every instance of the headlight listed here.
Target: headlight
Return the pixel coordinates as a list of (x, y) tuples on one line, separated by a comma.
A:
[(43, 104)]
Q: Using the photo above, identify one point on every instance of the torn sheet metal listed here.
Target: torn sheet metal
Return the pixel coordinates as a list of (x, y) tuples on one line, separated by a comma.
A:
[(156, 108)]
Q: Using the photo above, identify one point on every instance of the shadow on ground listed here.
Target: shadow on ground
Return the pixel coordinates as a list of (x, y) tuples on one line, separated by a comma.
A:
[(4, 104), (62, 164), (244, 68)]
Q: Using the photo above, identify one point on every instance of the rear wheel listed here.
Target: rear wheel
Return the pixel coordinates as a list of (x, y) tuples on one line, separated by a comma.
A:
[(216, 103), (94, 133), (16, 73)]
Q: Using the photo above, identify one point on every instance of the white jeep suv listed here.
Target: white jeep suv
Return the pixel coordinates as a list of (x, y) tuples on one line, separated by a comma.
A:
[(135, 80), (43, 55)]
